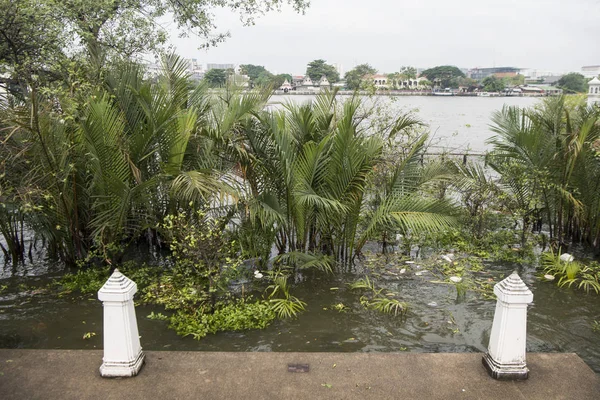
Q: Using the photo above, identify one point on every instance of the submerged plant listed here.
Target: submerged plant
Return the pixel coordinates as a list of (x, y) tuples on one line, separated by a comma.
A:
[(387, 306), (363, 283), (287, 306), (571, 273)]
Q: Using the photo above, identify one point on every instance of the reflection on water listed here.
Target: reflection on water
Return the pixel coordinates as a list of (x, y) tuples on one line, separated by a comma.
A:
[(559, 320)]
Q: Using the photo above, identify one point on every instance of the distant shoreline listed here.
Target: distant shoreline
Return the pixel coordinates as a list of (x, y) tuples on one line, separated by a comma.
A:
[(401, 93)]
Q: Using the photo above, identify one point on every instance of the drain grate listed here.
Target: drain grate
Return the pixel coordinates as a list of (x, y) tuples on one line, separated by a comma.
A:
[(298, 367)]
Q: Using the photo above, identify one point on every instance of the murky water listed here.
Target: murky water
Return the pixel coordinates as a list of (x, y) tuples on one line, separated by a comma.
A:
[(456, 123), (560, 320)]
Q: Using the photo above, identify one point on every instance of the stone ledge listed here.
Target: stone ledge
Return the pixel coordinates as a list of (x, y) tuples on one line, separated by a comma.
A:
[(73, 374)]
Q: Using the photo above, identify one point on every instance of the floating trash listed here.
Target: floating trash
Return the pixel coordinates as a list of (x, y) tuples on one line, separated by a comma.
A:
[(409, 262), (566, 257), (456, 279), (432, 304), (403, 270), (446, 258), (549, 277), (419, 273), (257, 274)]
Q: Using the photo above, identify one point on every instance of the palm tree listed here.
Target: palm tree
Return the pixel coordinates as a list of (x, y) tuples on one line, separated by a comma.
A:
[(547, 156)]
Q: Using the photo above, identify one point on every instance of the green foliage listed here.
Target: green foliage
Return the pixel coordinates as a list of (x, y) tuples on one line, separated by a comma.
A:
[(386, 305), (355, 78), (216, 77), (573, 82), (493, 84), (516, 80), (317, 68), (157, 316), (301, 260), (85, 280), (363, 283), (236, 316), (571, 273), (547, 159), (259, 76), (287, 306), (443, 75), (373, 298)]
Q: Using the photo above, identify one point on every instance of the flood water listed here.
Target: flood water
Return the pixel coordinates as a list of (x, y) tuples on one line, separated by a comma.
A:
[(559, 320), (456, 123)]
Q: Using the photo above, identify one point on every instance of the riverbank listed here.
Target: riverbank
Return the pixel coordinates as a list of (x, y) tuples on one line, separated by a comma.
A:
[(394, 93), (64, 374)]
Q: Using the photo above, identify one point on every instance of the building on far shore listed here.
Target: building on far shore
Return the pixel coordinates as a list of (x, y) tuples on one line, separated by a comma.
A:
[(219, 66), (499, 72), (286, 86), (380, 81), (590, 71), (594, 92), (324, 83)]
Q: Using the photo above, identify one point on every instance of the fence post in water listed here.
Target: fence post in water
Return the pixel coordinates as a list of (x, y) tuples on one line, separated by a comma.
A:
[(123, 354), (505, 358)]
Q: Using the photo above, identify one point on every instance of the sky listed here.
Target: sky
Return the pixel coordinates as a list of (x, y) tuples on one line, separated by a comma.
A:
[(548, 35)]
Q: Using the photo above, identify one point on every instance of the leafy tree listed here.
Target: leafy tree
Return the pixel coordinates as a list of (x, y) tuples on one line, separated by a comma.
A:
[(264, 79), (493, 84), (260, 76), (355, 77), (216, 77), (573, 83), (443, 75), (317, 68), (516, 80), (253, 71), (469, 83), (408, 72), (36, 33)]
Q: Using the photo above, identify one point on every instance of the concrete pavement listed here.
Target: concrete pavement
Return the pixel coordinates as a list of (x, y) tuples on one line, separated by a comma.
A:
[(73, 374)]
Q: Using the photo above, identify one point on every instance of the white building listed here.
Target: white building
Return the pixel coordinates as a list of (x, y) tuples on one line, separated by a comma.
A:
[(590, 71), (594, 92), (323, 82), (380, 81), (286, 87)]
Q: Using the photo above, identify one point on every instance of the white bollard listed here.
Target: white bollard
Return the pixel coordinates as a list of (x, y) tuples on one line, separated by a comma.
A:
[(505, 358), (123, 354)]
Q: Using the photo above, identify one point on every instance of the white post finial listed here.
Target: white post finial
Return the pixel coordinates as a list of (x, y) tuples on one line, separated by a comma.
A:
[(123, 354), (505, 358)]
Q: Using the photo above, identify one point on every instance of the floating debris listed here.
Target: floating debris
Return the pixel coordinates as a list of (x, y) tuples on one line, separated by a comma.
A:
[(566, 257), (549, 277), (456, 279), (432, 304), (257, 274), (419, 273), (447, 258), (403, 270), (409, 262)]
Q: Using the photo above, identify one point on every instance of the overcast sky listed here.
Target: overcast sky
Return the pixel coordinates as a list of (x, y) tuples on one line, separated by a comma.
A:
[(555, 35)]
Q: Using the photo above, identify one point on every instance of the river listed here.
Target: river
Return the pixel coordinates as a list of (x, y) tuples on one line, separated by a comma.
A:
[(456, 123)]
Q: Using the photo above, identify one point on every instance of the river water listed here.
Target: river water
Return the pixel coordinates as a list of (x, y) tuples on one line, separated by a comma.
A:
[(456, 123), (559, 320)]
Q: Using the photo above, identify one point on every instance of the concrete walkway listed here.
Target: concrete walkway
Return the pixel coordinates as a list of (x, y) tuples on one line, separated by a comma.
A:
[(64, 374)]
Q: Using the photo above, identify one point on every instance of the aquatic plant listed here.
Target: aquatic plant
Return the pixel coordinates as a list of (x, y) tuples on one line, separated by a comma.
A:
[(287, 306), (571, 273), (386, 305)]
